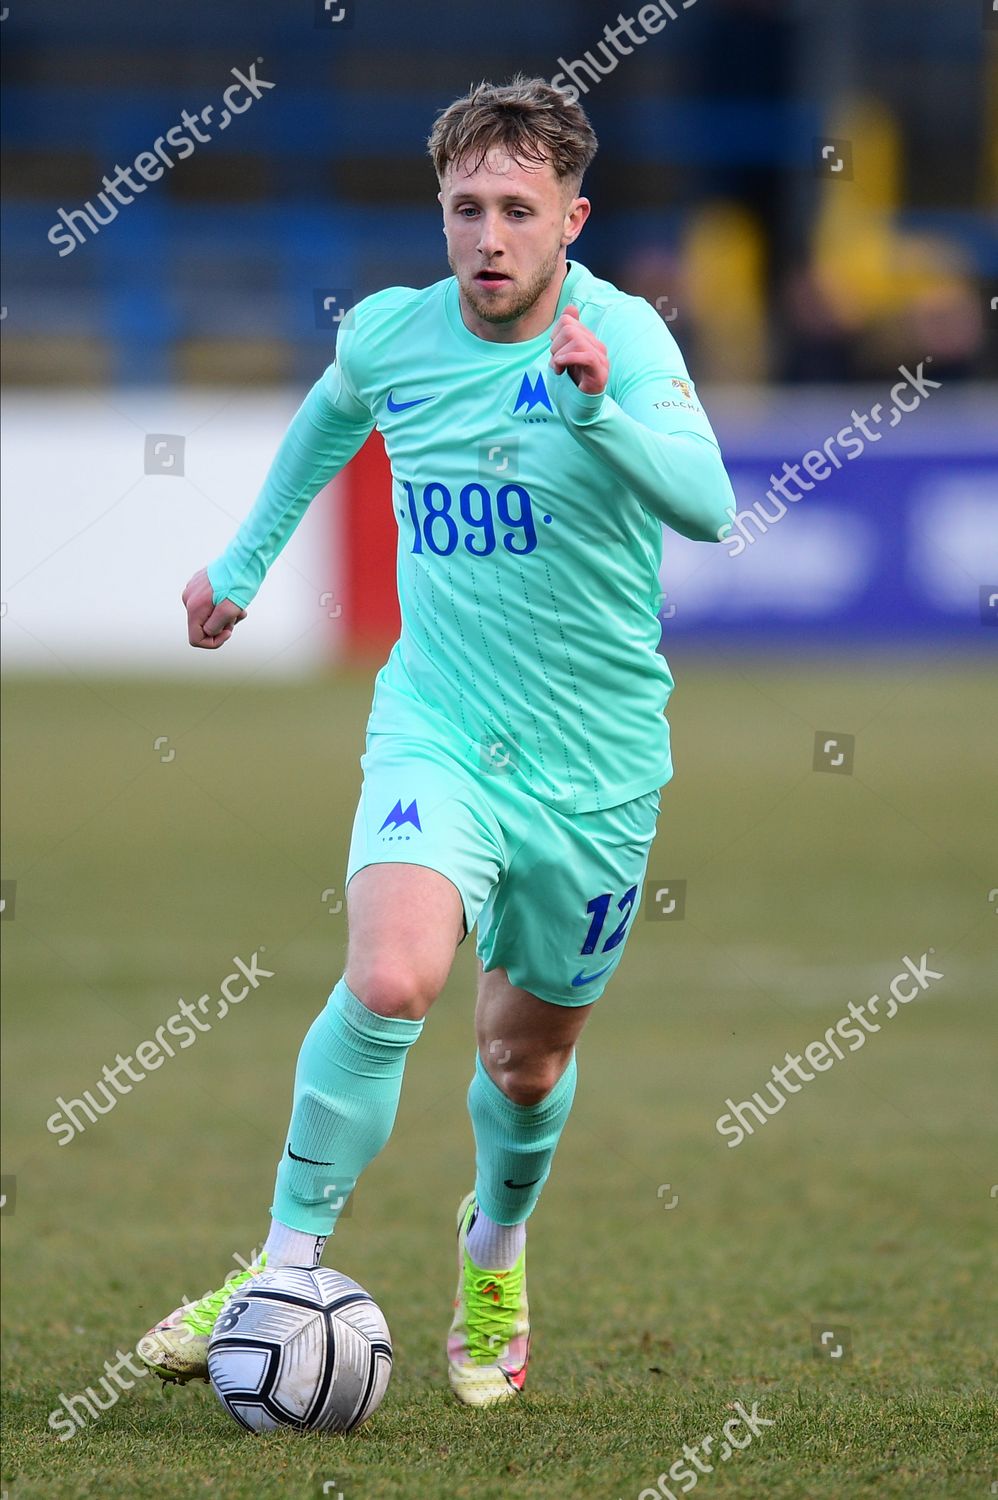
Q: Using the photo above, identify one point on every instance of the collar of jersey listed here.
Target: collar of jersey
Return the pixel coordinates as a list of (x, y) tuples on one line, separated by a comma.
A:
[(526, 350)]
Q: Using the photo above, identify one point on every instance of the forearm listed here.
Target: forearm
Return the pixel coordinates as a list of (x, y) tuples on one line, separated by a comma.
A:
[(317, 444), (679, 477)]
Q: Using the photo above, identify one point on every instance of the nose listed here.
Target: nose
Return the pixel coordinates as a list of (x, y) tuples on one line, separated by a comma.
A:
[(489, 242)]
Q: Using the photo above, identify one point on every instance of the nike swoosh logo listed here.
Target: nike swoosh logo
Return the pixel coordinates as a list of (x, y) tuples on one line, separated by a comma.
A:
[(407, 405), (581, 978), (520, 1184), (308, 1160)]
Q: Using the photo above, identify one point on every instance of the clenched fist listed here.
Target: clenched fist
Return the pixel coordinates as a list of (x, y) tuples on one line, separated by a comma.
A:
[(575, 348), (209, 625)]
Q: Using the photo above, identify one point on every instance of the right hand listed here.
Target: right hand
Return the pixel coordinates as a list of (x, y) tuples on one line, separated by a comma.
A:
[(209, 625)]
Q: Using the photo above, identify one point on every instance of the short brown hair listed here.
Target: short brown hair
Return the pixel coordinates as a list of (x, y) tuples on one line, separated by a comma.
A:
[(527, 117)]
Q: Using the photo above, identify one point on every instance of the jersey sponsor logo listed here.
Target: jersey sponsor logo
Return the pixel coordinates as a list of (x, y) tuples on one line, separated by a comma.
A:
[(394, 405), (583, 978), (532, 393), (687, 401), (681, 405), (397, 818)]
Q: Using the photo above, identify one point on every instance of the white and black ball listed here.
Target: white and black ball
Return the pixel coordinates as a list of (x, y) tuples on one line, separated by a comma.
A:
[(307, 1349)]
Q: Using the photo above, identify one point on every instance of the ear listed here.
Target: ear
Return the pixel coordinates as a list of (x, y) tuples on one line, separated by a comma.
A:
[(576, 215)]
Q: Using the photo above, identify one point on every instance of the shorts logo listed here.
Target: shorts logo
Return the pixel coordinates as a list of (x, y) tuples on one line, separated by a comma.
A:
[(583, 978), (396, 818)]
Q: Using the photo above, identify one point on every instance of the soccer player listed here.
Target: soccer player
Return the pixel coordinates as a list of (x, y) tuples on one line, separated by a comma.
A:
[(541, 427)]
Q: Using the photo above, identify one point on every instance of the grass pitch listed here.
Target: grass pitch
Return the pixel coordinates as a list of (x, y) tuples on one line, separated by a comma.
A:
[(670, 1275)]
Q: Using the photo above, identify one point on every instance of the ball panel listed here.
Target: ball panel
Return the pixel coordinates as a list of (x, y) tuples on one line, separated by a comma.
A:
[(266, 1317), (241, 1371), (368, 1319), (348, 1378), (304, 1360), (255, 1418), (380, 1374)]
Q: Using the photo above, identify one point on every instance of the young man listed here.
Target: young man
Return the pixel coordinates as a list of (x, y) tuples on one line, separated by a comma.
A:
[(541, 427)]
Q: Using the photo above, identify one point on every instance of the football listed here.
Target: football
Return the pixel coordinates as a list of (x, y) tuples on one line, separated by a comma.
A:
[(306, 1349)]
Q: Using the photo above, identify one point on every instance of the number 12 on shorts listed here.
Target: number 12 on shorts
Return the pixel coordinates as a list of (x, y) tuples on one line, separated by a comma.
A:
[(598, 909)]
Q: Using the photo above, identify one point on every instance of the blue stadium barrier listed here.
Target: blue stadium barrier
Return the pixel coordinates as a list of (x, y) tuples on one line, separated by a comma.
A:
[(898, 545)]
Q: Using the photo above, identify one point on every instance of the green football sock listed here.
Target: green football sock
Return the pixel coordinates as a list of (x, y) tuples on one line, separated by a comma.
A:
[(515, 1143), (347, 1086)]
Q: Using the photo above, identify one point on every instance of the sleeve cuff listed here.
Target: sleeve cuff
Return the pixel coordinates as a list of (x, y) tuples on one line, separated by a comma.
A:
[(224, 586), (574, 405)]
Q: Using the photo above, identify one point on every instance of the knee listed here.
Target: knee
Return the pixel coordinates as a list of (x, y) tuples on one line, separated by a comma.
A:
[(527, 1088), (393, 989), (527, 1079)]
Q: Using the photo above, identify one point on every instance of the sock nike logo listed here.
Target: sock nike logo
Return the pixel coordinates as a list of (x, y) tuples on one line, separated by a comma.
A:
[(308, 1160), (509, 1184)]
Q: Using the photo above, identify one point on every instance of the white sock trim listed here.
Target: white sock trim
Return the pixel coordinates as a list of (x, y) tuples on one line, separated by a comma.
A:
[(292, 1247), (495, 1247)]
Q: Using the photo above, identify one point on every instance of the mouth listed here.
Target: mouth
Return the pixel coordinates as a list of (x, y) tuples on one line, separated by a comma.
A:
[(492, 279)]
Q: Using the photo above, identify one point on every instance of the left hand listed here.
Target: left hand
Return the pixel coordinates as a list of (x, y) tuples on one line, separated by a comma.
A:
[(576, 349)]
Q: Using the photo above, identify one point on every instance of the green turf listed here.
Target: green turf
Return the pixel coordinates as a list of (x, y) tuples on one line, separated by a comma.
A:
[(865, 1204)]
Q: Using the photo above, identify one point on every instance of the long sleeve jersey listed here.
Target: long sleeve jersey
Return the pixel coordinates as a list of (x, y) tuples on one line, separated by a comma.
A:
[(529, 520)]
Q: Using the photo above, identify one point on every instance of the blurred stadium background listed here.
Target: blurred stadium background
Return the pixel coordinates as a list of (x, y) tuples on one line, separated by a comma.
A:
[(203, 311), (807, 192)]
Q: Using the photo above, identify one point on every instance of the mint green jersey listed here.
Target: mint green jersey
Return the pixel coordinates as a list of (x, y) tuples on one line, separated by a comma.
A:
[(529, 521)]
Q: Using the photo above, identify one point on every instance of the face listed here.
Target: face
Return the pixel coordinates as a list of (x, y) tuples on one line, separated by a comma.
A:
[(507, 227)]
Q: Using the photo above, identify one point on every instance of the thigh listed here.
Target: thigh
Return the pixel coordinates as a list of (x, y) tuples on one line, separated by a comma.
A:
[(558, 921), (402, 920), (424, 854)]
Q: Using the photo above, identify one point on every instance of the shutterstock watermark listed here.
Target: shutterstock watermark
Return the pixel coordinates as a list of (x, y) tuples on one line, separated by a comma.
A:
[(685, 1472), (74, 1412), (87, 1406), (183, 1026), (651, 19), (745, 526), (150, 165), (913, 980)]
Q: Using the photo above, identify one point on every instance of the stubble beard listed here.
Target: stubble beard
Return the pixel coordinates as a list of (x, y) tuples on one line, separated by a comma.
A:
[(523, 301)]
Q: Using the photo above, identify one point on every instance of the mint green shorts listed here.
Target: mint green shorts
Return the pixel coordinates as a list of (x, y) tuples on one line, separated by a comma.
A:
[(554, 895)]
